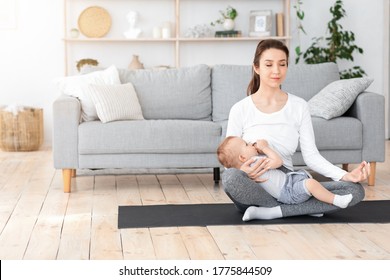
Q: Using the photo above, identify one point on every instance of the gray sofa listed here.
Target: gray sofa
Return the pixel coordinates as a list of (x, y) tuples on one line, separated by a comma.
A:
[(186, 112)]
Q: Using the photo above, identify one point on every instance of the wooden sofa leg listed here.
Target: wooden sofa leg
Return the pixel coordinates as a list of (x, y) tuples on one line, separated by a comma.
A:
[(371, 178), (73, 173), (217, 176), (345, 166), (67, 176)]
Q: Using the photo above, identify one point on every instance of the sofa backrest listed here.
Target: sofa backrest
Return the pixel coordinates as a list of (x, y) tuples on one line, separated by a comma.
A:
[(229, 83), (306, 80), (182, 93)]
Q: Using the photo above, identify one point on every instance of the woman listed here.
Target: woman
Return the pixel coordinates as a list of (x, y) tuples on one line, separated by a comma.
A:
[(283, 120)]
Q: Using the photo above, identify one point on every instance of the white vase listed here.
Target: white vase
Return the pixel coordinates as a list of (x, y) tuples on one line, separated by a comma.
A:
[(228, 24)]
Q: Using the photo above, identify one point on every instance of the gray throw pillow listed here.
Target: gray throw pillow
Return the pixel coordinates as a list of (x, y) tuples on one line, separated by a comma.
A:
[(337, 97)]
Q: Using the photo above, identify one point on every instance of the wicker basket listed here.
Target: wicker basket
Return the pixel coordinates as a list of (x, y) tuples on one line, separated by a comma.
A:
[(22, 131)]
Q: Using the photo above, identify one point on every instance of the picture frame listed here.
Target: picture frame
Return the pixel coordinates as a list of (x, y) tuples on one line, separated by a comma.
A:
[(260, 23)]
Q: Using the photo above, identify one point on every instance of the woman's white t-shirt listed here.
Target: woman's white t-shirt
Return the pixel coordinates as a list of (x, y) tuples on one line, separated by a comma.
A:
[(283, 130)]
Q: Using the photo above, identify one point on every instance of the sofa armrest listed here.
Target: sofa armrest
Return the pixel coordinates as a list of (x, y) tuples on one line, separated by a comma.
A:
[(66, 118), (369, 108)]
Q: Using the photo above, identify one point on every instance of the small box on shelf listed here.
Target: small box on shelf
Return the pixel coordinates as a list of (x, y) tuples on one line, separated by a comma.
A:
[(228, 33)]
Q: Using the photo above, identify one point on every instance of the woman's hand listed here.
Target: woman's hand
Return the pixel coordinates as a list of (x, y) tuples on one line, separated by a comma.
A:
[(255, 169), (359, 174)]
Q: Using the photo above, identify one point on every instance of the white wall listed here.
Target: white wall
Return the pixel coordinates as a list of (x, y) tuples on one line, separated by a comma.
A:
[(366, 19), (32, 55)]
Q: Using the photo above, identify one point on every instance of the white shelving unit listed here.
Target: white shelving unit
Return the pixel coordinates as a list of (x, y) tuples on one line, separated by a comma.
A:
[(177, 42)]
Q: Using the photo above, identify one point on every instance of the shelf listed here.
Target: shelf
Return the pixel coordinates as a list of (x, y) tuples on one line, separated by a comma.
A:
[(117, 40), (176, 51), (215, 39), (204, 39)]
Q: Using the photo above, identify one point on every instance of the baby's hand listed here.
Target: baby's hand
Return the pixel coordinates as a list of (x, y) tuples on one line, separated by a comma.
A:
[(261, 144)]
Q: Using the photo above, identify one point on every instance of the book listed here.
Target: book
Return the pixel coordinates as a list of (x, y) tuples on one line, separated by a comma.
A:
[(279, 24), (228, 33)]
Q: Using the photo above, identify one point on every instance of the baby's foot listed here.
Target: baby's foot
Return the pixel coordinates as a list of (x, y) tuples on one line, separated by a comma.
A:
[(342, 201)]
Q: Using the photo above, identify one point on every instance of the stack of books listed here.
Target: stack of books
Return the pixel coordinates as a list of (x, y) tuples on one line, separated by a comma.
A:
[(230, 33)]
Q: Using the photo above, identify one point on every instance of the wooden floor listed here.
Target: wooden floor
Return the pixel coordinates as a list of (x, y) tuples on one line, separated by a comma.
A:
[(39, 221)]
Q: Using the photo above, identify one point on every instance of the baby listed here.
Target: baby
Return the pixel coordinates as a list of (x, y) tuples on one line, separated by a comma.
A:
[(289, 188)]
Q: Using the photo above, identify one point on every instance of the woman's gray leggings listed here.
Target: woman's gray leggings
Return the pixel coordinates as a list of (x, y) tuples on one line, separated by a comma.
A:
[(245, 192)]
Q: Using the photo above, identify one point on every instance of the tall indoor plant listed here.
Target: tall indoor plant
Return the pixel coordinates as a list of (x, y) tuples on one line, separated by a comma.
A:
[(338, 45)]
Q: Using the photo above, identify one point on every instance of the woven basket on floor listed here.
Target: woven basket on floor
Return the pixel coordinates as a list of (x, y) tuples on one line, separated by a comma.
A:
[(21, 132)]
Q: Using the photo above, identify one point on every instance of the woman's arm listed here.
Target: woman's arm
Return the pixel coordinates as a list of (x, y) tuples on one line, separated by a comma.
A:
[(310, 153)]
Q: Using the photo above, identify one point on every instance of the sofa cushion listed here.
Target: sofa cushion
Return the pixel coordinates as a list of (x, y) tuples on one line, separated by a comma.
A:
[(75, 85), (182, 93), (229, 84), (344, 133), (149, 136), (336, 98), (306, 80), (115, 102)]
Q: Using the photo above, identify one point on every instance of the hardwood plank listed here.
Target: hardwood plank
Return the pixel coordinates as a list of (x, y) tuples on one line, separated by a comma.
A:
[(231, 242), (152, 194), (75, 238), (376, 233), (105, 238), (78, 219), (137, 244), (200, 244), (128, 192), (147, 180), (363, 247), (46, 235), (168, 179), (216, 190), (278, 242), (15, 237), (374, 193), (175, 194), (168, 244), (327, 245), (105, 201), (196, 191)]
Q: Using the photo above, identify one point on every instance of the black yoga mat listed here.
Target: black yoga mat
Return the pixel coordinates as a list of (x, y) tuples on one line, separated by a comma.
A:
[(170, 215)]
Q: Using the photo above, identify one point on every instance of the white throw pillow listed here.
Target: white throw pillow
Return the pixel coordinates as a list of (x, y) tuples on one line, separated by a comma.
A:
[(74, 86), (337, 97), (115, 102)]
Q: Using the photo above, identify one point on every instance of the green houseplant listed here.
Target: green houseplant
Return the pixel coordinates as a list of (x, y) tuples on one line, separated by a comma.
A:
[(338, 45), (227, 18)]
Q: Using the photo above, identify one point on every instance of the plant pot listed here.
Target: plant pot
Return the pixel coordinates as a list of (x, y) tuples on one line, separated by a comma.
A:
[(228, 24)]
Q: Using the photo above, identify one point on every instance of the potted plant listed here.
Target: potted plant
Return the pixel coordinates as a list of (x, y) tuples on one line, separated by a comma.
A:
[(227, 18), (338, 45), (86, 62)]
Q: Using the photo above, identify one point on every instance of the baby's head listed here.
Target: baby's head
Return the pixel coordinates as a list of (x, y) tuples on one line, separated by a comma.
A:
[(233, 151)]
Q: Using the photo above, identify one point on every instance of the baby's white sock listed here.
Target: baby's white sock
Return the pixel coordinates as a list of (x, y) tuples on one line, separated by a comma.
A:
[(262, 213), (342, 201)]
